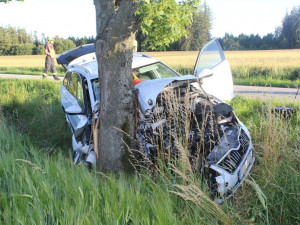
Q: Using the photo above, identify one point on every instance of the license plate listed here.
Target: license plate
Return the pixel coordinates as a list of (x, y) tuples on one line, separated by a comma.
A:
[(245, 166)]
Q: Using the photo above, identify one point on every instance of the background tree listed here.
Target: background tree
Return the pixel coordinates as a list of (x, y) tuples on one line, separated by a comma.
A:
[(199, 30), (61, 45), (291, 28), (6, 1), (117, 23)]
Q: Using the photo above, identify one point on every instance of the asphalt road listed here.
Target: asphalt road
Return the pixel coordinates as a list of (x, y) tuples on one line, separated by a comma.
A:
[(289, 94)]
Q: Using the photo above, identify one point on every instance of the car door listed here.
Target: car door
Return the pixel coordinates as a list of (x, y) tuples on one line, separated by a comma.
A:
[(211, 60), (72, 100)]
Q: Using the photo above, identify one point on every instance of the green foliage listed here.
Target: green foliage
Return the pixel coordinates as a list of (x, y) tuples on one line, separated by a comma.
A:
[(18, 42), (198, 31), (61, 45), (21, 49), (291, 28), (164, 22), (38, 50), (6, 1)]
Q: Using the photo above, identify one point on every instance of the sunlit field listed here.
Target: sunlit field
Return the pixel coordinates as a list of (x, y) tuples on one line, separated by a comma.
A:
[(279, 68), (257, 67), (22, 61), (276, 58)]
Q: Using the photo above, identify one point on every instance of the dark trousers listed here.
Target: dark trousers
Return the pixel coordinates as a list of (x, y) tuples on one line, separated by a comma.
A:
[(49, 65)]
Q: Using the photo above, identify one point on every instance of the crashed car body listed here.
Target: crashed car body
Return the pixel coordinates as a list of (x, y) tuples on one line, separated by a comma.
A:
[(224, 144)]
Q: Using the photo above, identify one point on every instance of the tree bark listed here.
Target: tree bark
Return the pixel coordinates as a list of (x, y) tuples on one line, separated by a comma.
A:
[(116, 28)]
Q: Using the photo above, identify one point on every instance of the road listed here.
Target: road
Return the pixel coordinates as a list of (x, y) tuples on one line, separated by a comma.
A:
[(289, 94), (268, 92)]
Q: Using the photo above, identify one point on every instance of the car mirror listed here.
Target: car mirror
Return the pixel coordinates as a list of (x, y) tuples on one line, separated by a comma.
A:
[(205, 73), (73, 109)]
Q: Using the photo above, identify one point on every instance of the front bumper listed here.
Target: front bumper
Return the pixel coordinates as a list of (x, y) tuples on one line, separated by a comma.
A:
[(227, 182)]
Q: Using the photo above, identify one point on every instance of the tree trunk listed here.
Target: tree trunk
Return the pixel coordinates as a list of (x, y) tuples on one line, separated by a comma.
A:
[(116, 28)]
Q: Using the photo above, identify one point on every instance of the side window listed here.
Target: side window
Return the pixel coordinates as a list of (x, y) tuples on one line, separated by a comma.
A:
[(79, 96), (210, 56), (73, 82), (67, 80), (74, 86)]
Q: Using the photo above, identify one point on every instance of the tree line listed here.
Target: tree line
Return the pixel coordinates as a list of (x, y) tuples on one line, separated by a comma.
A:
[(286, 36), (18, 42)]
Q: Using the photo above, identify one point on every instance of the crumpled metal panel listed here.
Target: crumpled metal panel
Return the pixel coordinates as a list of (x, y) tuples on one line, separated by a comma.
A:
[(150, 89)]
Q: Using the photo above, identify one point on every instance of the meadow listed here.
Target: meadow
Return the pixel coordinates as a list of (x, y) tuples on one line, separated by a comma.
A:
[(40, 185), (279, 68)]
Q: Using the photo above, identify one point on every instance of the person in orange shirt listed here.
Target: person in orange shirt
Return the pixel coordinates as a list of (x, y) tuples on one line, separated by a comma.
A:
[(49, 61)]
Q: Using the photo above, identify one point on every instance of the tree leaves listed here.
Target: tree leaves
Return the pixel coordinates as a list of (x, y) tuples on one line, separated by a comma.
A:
[(6, 1), (165, 21)]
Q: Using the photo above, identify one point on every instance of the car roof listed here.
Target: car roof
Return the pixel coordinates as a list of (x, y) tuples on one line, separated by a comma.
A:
[(89, 64)]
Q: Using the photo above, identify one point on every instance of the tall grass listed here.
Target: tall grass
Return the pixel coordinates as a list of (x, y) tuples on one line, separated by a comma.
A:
[(32, 106), (277, 147), (44, 187), (38, 188)]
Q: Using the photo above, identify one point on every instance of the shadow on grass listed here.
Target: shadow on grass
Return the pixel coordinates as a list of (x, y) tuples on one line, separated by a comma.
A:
[(33, 108)]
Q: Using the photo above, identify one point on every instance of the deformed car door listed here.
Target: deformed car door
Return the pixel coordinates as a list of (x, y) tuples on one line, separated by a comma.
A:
[(219, 83), (72, 101)]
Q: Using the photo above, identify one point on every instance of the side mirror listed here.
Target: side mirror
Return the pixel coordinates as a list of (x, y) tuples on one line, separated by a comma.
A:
[(73, 109), (205, 73)]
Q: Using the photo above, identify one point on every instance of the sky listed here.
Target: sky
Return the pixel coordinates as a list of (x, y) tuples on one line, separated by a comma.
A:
[(77, 17)]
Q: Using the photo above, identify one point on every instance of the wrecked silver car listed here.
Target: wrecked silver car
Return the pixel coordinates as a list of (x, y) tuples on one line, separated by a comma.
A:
[(171, 108)]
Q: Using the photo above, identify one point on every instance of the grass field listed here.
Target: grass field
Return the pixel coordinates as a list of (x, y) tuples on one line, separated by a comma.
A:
[(40, 185), (259, 58), (258, 67)]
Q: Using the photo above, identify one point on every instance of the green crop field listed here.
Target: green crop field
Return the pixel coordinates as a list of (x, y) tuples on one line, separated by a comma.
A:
[(40, 185), (258, 67)]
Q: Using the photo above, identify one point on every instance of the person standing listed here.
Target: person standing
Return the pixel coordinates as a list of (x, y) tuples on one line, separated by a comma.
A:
[(49, 61)]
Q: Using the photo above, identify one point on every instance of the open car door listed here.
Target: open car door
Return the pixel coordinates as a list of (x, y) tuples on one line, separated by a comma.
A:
[(214, 68)]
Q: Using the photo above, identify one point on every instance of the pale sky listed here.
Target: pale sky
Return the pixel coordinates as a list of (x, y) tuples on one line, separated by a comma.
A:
[(77, 17)]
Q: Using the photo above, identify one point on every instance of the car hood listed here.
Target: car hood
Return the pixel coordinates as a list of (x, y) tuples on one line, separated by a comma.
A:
[(149, 90)]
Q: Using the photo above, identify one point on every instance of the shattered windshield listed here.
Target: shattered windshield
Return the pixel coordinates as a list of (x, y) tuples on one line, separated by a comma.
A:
[(154, 71)]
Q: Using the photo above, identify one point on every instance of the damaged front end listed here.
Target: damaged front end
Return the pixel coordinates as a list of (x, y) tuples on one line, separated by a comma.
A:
[(218, 144)]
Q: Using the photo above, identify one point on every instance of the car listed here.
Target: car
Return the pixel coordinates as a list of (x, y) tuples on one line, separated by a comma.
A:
[(218, 142)]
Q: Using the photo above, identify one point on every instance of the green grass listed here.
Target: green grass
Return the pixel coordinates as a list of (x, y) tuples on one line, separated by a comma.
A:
[(38, 188), (277, 146), (40, 185), (30, 70)]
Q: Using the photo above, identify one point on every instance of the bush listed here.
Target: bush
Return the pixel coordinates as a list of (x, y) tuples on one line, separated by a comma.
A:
[(39, 50), (21, 49)]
